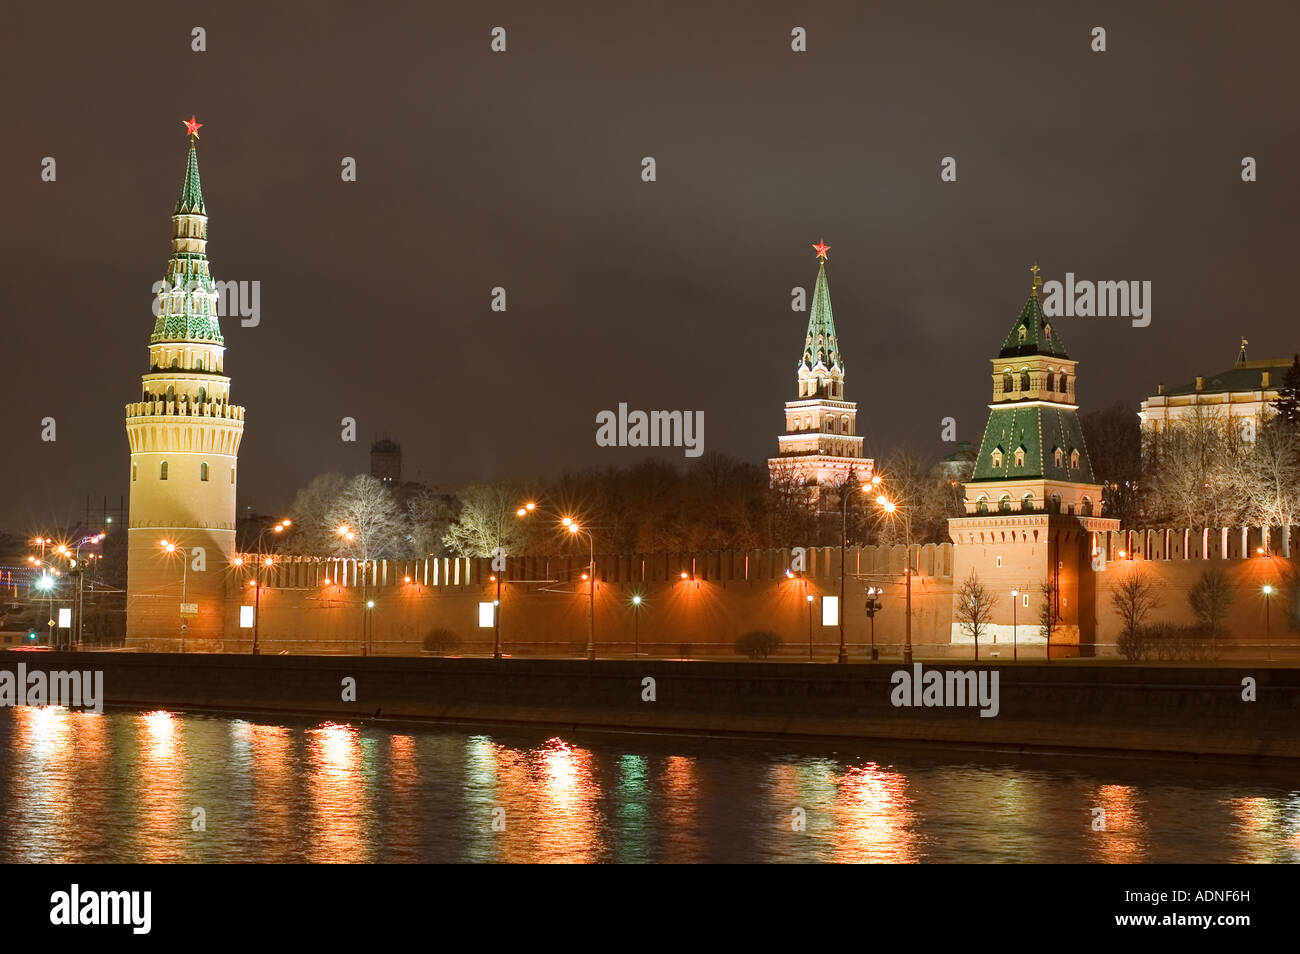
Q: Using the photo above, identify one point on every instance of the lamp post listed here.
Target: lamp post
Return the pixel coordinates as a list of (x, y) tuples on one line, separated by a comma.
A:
[(171, 548), (1015, 598), (1268, 598), (574, 528), (636, 624), (891, 508), (873, 607), (348, 534)]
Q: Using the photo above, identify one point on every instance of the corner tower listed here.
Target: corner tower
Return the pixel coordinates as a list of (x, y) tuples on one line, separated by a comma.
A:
[(1033, 507), (820, 446), (184, 437)]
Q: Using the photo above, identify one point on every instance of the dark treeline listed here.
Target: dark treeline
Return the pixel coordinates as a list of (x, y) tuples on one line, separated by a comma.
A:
[(714, 502)]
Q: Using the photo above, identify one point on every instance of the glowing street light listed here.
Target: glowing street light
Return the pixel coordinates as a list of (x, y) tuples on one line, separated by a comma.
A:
[(1268, 598), (574, 528)]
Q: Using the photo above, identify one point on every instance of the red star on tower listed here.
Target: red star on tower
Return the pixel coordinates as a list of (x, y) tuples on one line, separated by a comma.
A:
[(192, 126), (822, 248)]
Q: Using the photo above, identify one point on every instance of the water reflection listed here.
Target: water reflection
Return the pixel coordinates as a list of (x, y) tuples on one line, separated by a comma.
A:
[(124, 786)]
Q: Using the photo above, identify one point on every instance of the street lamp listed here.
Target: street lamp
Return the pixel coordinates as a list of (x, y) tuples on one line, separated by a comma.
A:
[(891, 508), (574, 528), (873, 607), (636, 624), (345, 532), (1268, 598), (170, 548), (1015, 598)]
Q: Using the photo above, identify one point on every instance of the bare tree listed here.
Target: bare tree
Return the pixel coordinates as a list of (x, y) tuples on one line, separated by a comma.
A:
[(486, 521), (1210, 599), (973, 608), (368, 511), (430, 516), (1271, 479), (1133, 598), (1113, 436), (311, 531)]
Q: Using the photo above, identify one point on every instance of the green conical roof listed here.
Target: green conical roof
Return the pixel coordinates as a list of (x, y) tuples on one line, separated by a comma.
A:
[(187, 309), (191, 200), (1039, 334), (821, 346)]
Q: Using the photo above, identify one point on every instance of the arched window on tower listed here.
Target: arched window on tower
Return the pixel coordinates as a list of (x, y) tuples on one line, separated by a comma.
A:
[(1054, 503), (203, 471), (1065, 383), (203, 395), (1058, 457), (1004, 503), (1023, 333), (1020, 457), (997, 457), (1085, 508), (1051, 382), (1027, 502), (162, 471), (133, 472), (171, 393), (1074, 460), (1008, 382), (1024, 380), (982, 505), (844, 424)]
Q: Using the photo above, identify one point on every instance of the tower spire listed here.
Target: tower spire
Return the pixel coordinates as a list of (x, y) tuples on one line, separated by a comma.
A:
[(821, 346)]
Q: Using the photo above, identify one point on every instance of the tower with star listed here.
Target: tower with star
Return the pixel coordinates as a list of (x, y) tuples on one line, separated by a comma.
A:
[(184, 439), (820, 447)]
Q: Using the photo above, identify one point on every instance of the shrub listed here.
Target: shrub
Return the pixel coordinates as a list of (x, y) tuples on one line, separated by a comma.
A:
[(1166, 642), (758, 643), (443, 642)]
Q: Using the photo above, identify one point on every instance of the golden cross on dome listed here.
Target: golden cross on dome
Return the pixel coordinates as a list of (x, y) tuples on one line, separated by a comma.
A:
[(192, 126), (822, 248), (1038, 279)]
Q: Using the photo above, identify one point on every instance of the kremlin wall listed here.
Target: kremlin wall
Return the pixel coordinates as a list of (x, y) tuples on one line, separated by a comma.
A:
[(308, 605)]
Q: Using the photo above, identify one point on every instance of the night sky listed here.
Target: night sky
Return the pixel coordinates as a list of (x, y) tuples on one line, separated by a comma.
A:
[(522, 169)]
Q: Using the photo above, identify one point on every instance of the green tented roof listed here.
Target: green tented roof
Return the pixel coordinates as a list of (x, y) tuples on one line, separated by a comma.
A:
[(1040, 336), (1039, 429), (821, 345), (191, 200)]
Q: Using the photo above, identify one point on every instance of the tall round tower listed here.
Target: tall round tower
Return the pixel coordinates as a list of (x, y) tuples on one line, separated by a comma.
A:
[(184, 435)]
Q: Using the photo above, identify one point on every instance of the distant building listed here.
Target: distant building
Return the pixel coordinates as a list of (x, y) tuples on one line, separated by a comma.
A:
[(1246, 391), (820, 446), (386, 462)]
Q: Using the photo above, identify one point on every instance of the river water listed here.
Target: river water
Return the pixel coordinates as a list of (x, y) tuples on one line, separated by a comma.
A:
[(170, 787)]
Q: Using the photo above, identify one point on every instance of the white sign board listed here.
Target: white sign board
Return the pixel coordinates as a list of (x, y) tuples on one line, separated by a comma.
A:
[(830, 610), (486, 614), (189, 609), (245, 617), (65, 617)]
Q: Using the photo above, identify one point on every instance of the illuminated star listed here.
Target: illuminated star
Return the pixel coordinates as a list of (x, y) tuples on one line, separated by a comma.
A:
[(192, 126), (822, 248)]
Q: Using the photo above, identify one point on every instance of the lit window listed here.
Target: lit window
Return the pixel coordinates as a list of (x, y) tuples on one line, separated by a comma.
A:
[(1074, 460), (999, 563), (1020, 457), (162, 471), (997, 458), (1058, 457)]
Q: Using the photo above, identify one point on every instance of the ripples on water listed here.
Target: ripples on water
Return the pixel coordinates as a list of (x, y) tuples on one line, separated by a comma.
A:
[(124, 786)]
